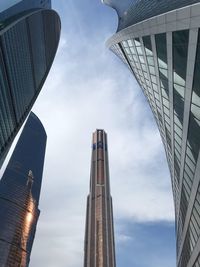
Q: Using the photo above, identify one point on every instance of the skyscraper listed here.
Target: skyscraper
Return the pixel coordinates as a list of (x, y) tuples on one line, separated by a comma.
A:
[(19, 195), (159, 41), (99, 234), (29, 36)]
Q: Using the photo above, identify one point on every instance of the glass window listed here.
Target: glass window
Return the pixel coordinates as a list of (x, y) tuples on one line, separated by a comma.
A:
[(146, 75), (150, 61), (130, 43), (177, 130), (139, 50), (137, 65), (137, 42), (147, 42), (164, 94), (127, 50), (190, 163), (124, 43), (178, 139), (166, 111), (135, 58), (153, 78), (161, 47), (147, 82), (155, 87), (177, 121), (144, 67), (180, 46), (166, 102), (163, 72), (152, 70), (196, 111), (190, 154), (141, 58), (188, 170), (178, 81)]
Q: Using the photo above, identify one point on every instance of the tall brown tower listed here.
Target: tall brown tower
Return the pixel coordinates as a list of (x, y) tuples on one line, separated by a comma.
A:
[(99, 235)]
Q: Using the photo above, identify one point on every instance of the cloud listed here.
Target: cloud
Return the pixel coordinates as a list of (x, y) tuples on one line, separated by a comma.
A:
[(121, 238)]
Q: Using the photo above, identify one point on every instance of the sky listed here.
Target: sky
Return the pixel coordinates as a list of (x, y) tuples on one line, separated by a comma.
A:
[(88, 87)]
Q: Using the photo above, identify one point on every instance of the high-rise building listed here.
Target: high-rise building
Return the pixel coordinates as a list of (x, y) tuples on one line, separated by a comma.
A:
[(159, 41), (29, 36), (99, 234), (19, 195)]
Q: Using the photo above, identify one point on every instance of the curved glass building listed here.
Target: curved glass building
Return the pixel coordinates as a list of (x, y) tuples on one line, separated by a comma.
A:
[(19, 195), (159, 41), (29, 36)]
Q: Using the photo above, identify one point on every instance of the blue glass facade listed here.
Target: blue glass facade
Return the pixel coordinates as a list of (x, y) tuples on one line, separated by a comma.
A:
[(19, 195), (5, 4), (28, 43), (10, 8)]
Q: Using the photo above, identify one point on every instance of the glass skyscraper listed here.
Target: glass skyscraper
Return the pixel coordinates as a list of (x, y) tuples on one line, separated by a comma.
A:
[(19, 195), (159, 41), (29, 36), (99, 234)]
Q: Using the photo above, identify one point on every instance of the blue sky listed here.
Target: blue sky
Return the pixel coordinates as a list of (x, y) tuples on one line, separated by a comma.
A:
[(88, 88), (146, 244)]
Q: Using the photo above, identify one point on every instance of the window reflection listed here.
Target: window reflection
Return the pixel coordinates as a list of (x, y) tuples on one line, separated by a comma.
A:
[(18, 225)]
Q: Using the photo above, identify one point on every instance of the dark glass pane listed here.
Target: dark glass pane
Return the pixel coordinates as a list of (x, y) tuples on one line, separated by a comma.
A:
[(180, 50), (161, 46), (147, 42)]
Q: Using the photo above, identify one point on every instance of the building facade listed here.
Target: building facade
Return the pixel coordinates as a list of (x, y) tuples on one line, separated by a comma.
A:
[(29, 36), (9, 8), (159, 41), (99, 234), (19, 195)]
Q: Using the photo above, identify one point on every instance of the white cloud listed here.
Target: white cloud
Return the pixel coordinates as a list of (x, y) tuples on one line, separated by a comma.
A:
[(123, 238)]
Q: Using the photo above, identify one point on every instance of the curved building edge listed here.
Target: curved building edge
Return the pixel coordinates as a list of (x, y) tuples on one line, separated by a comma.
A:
[(133, 11), (38, 121), (23, 16), (136, 43)]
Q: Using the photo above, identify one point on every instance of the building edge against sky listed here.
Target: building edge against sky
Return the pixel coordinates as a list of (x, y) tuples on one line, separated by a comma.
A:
[(99, 247), (19, 195), (159, 41), (29, 37)]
